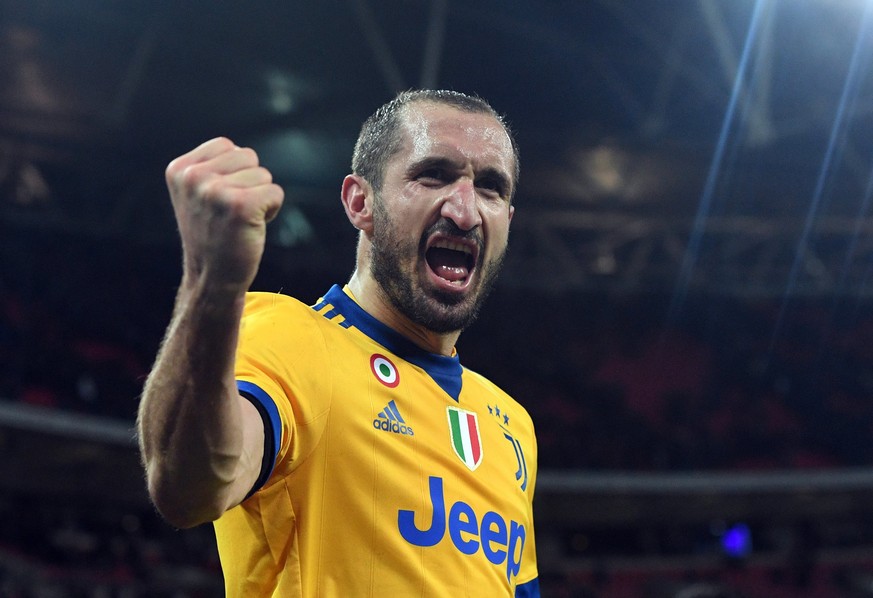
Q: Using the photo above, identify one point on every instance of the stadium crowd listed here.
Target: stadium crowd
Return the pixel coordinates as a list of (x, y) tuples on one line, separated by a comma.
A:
[(610, 382)]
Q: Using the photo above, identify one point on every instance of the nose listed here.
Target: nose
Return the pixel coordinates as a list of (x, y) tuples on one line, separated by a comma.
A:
[(461, 206)]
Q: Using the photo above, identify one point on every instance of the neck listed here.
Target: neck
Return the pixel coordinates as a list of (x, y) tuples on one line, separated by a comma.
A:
[(370, 297)]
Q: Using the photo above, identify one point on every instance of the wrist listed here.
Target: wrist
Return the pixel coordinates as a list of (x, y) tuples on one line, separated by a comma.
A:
[(212, 297)]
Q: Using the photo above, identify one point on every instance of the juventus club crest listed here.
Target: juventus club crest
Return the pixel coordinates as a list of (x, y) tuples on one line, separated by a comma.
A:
[(464, 432)]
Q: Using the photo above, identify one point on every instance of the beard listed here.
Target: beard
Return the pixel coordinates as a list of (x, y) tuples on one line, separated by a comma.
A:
[(394, 265)]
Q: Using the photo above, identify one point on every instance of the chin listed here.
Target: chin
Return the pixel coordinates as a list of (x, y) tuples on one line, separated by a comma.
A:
[(447, 312)]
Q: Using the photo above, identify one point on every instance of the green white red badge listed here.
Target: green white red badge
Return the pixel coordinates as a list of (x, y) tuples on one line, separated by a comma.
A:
[(384, 370), (464, 432)]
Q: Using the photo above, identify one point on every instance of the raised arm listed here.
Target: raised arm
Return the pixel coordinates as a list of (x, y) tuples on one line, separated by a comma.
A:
[(201, 443)]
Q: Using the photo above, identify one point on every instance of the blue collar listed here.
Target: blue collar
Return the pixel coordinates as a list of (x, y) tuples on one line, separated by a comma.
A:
[(445, 371)]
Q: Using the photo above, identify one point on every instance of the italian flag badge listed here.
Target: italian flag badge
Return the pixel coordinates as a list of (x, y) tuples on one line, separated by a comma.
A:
[(464, 431)]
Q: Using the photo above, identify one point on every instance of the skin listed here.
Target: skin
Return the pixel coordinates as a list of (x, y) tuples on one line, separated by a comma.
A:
[(453, 172), (202, 443)]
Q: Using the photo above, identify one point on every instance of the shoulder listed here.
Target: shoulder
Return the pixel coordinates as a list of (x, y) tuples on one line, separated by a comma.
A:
[(275, 308), (277, 319), (260, 303)]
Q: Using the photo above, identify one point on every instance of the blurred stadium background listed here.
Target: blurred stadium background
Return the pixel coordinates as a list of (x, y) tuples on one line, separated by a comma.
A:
[(686, 309)]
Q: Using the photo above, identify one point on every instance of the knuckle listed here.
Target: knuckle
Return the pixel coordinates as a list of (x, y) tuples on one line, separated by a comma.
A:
[(215, 189), (223, 143), (265, 175), (194, 177), (248, 156), (279, 193), (174, 169)]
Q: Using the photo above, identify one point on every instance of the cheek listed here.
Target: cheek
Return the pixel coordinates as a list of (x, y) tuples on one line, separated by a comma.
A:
[(498, 226), (412, 213)]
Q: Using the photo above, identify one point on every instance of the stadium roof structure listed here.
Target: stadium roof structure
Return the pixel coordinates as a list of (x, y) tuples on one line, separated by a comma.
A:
[(693, 144)]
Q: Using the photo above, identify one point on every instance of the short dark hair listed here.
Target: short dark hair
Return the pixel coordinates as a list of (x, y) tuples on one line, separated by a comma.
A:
[(380, 136)]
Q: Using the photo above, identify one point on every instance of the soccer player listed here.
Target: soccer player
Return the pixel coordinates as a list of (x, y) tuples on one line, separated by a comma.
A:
[(341, 449)]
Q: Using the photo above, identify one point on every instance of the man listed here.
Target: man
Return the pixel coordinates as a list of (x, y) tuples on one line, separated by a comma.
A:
[(341, 449)]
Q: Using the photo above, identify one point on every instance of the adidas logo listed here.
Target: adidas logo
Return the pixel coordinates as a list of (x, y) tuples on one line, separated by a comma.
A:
[(390, 420)]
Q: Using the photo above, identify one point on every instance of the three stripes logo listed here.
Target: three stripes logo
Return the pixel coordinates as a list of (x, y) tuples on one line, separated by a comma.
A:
[(464, 432), (390, 420)]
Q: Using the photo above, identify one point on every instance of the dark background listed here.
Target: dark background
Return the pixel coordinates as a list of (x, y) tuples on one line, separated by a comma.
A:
[(685, 310)]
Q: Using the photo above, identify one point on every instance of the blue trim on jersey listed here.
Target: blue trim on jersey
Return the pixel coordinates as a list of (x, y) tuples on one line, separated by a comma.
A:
[(272, 427), (445, 371), (530, 589)]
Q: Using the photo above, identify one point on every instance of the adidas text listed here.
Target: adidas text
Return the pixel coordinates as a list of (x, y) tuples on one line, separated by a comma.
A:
[(389, 426)]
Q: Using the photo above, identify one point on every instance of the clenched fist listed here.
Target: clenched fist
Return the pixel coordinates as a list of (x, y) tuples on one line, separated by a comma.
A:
[(223, 199)]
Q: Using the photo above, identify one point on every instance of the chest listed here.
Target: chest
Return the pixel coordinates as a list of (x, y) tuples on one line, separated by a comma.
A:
[(395, 429)]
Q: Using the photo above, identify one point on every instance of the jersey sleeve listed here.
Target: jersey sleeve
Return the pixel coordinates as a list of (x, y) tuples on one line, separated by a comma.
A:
[(283, 368)]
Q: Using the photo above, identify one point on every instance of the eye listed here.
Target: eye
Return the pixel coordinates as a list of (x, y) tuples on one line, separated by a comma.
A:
[(491, 184), (432, 176)]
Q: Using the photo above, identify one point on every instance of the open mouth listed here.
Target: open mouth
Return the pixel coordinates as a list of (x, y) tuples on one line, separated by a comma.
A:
[(452, 260)]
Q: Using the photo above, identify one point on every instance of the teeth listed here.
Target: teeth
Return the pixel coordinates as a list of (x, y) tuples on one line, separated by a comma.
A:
[(446, 244)]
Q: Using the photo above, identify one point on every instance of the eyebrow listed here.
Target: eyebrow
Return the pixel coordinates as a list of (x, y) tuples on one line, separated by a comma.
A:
[(433, 162)]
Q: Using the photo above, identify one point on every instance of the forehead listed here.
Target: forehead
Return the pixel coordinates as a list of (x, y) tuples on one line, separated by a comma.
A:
[(439, 130)]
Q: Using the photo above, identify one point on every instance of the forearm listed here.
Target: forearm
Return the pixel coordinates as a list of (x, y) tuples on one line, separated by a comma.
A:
[(191, 435), (201, 443)]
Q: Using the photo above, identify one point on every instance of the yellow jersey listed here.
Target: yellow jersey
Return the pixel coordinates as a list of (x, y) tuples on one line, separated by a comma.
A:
[(389, 471)]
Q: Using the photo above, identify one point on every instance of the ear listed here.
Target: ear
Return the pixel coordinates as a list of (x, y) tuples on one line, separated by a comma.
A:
[(357, 197)]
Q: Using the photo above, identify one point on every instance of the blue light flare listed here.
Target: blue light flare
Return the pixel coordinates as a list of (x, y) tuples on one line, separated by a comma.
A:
[(692, 250), (737, 541), (859, 61)]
